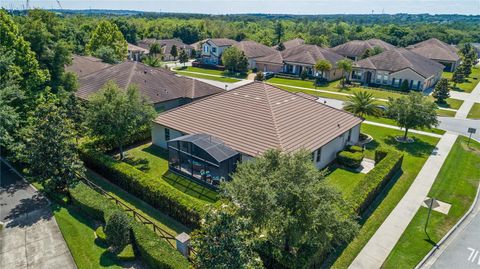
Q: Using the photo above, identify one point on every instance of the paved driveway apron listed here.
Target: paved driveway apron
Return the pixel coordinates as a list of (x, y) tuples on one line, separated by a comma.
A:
[(30, 237)]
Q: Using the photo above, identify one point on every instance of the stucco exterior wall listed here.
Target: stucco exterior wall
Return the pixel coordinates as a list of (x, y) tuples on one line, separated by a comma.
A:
[(269, 67), (158, 135)]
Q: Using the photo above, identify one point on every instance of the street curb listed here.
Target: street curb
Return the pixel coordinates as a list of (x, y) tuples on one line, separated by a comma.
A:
[(450, 232)]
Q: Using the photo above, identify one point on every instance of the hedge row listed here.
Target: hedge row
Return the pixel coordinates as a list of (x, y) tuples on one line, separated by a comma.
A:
[(162, 196), (374, 181), (350, 159), (153, 250)]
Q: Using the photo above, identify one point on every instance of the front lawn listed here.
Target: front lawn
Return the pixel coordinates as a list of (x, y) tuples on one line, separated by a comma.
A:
[(415, 156), (392, 122), (469, 84), (449, 103), (455, 184), (474, 111), (445, 113), (221, 79), (343, 180), (213, 72), (153, 161)]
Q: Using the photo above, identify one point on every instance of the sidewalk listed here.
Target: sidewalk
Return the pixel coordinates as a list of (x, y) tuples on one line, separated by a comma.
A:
[(376, 251), (469, 100)]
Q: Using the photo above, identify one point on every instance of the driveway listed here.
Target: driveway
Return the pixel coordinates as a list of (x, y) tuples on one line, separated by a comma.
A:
[(30, 237)]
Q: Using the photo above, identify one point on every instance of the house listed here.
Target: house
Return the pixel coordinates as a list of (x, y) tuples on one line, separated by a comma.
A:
[(393, 67), (253, 50), (160, 87), (355, 49), (206, 138), (302, 57), (438, 51), (84, 65), (291, 43), (135, 53), (476, 47), (213, 48), (166, 47)]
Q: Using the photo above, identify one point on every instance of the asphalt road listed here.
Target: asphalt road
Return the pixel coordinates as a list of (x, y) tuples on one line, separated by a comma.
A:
[(460, 126)]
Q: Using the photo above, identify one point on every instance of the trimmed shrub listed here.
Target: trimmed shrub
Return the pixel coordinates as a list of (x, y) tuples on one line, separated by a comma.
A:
[(100, 233), (380, 154), (162, 196), (355, 149), (350, 159), (127, 254), (117, 231), (92, 203), (374, 181)]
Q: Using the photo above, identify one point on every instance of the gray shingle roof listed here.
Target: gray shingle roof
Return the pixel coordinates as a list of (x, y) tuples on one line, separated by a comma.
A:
[(305, 54), (436, 50), (293, 43), (358, 47), (254, 49), (84, 65), (399, 59), (256, 117), (156, 84)]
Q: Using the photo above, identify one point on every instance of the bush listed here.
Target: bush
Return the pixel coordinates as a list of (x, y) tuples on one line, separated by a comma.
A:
[(153, 250), (162, 196), (374, 181), (127, 254), (350, 159), (100, 233), (259, 76), (380, 154), (117, 231), (355, 149)]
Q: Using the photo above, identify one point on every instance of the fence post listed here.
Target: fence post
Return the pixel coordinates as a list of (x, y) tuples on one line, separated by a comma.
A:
[(183, 243)]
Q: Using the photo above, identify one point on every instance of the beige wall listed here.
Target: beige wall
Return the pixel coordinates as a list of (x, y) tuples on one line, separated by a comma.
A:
[(269, 67)]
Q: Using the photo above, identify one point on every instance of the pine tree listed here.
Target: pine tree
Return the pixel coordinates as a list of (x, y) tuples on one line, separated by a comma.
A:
[(441, 91), (174, 52)]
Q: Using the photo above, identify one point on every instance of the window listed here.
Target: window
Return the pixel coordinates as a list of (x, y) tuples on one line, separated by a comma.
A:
[(385, 79), (205, 48), (167, 134), (319, 155), (379, 79), (214, 50), (357, 74)]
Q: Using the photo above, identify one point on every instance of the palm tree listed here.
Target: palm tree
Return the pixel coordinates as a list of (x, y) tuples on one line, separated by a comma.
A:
[(346, 66), (323, 66), (362, 103), (155, 49), (152, 61)]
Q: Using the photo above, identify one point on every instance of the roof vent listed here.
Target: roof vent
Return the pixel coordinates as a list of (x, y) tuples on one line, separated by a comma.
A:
[(338, 125), (145, 71)]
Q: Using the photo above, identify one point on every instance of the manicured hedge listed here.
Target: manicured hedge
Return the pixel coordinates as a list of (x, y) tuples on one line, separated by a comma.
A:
[(374, 181), (153, 250), (355, 149), (350, 159), (162, 196)]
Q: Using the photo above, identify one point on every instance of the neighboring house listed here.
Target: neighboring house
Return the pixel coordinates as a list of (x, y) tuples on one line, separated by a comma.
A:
[(393, 67), (84, 65), (476, 47), (160, 87), (135, 53), (438, 51), (205, 139), (291, 43), (166, 47), (302, 57), (198, 45), (355, 49), (213, 48), (253, 51)]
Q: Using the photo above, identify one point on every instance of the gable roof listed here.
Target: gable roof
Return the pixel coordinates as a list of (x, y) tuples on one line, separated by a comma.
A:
[(435, 49), (222, 42), (305, 54), (84, 65), (134, 48), (165, 44), (358, 47), (293, 43), (156, 84), (399, 59), (253, 49), (256, 117)]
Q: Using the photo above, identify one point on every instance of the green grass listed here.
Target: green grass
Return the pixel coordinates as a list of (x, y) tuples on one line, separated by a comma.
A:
[(392, 122), (474, 111), (455, 184), (153, 161), (344, 180), (450, 103), (213, 72), (163, 221), (333, 87), (445, 113), (221, 79), (415, 156), (469, 84), (78, 232)]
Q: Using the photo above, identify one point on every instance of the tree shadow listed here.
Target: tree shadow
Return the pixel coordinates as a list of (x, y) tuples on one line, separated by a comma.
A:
[(157, 151), (419, 148), (141, 164), (29, 211)]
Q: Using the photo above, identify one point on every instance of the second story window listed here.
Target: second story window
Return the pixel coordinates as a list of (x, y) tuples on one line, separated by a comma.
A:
[(205, 48)]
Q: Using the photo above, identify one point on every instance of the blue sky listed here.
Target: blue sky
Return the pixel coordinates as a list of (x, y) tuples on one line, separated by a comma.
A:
[(267, 6)]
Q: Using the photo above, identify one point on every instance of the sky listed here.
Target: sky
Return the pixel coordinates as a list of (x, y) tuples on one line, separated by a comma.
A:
[(468, 7)]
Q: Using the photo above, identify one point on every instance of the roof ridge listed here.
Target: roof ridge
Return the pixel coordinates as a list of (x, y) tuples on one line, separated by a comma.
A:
[(410, 65), (269, 105)]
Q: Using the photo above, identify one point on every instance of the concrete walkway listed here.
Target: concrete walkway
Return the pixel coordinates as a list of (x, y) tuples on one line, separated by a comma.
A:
[(469, 100), (30, 237), (383, 241)]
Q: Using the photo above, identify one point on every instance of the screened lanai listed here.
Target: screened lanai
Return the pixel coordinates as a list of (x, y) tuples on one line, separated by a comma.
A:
[(202, 157)]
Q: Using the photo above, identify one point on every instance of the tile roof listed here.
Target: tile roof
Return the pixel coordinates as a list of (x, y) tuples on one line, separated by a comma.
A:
[(399, 59), (156, 84), (256, 117), (358, 47), (305, 54), (436, 50), (253, 49), (84, 65)]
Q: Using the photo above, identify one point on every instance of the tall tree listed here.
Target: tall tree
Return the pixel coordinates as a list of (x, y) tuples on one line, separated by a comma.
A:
[(183, 58), (362, 103), (224, 241), (458, 75), (412, 111), (107, 35), (441, 91), (155, 49), (234, 60), (323, 66), (280, 46), (50, 151), (174, 52), (279, 31), (372, 52), (346, 66), (293, 213), (115, 116)]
